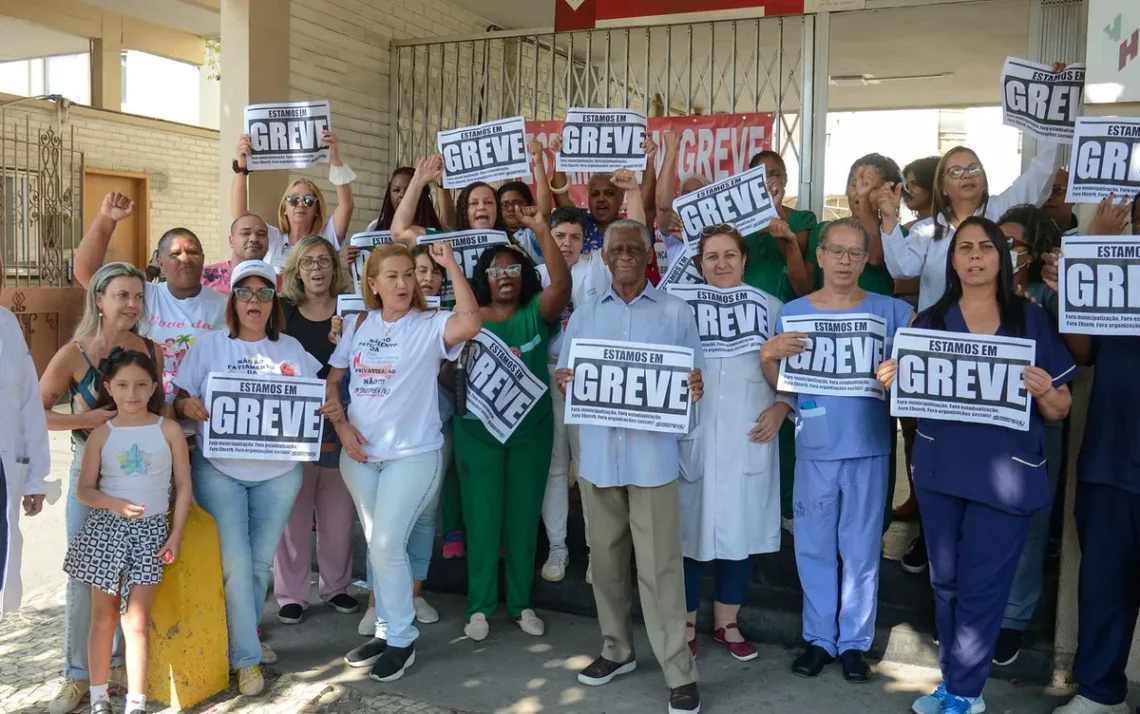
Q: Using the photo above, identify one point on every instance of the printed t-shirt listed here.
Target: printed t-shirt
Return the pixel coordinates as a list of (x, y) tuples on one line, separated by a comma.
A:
[(393, 389), (175, 325), (874, 278), (828, 427), (766, 268), (217, 276), (218, 352), (591, 278), (279, 246)]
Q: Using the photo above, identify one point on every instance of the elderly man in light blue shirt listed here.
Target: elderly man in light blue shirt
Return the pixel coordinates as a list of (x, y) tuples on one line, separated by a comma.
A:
[(629, 479)]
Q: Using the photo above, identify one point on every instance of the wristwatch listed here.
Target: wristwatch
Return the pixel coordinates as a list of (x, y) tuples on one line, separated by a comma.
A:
[(239, 169)]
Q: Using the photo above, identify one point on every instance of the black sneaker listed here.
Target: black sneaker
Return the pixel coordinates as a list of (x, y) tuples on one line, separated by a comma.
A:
[(855, 667), (102, 707), (366, 654), (393, 663), (291, 613), (343, 603), (684, 699), (811, 662), (915, 560), (1008, 646)]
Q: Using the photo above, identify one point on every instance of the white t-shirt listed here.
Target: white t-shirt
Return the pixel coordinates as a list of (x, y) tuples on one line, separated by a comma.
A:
[(591, 278), (218, 352), (393, 370), (279, 246), (177, 324)]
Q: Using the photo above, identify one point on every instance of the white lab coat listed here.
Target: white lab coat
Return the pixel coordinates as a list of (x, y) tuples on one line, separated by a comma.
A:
[(24, 445), (730, 486)]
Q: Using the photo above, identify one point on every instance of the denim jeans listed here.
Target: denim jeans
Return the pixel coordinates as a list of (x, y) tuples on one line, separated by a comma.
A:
[(251, 517), (77, 608), (390, 497)]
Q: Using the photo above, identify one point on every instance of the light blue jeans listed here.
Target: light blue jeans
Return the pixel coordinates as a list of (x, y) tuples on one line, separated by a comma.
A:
[(390, 497), (251, 517), (77, 608)]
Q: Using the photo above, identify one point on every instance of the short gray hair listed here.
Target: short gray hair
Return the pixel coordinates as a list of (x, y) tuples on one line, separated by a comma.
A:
[(846, 222), (92, 320), (627, 223)]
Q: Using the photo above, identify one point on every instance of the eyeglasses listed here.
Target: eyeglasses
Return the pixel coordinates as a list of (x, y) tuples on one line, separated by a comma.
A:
[(295, 200), (310, 263), (853, 253), (511, 271), (957, 172), (718, 229), (248, 294)]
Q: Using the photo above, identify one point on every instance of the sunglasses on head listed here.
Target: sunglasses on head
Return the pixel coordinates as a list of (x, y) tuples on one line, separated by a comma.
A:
[(244, 294), (295, 200), (718, 228), (511, 271)]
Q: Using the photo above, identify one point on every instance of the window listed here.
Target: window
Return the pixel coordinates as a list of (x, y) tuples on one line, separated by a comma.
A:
[(68, 75)]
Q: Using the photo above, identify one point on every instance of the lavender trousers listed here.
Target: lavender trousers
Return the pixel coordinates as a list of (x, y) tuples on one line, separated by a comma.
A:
[(322, 491)]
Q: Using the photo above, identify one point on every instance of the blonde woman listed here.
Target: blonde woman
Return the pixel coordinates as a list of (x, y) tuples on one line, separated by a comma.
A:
[(314, 276), (303, 210)]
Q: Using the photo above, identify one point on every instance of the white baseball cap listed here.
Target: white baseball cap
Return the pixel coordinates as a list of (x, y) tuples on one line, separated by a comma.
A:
[(249, 268)]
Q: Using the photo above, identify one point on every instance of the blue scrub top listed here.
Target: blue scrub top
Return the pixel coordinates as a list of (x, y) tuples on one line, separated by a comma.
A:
[(1110, 453), (995, 465), (829, 428)]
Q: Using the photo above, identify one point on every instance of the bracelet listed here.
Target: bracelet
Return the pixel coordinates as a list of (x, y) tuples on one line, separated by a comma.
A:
[(559, 191), (240, 169)]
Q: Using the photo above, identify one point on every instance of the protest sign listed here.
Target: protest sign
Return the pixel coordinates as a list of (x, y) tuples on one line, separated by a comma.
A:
[(602, 140), (844, 352), (1039, 101), (683, 271), (263, 417), (1098, 286), (349, 305), (365, 241), (741, 201), (287, 135), (467, 246), (492, 151), (629, 385), (1106, 158), (953, 376), (730, 321), (501, 391)]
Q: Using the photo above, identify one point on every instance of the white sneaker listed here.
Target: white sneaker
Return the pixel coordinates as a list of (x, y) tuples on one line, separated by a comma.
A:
[(555, 567), (425, 613), (71, 692), (590, 571), (268, 656), (477, 627), (367, 626), (1081, 705), (529, 623)]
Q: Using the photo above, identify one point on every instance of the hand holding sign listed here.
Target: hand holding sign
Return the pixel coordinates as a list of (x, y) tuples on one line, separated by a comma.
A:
[(785, 344), (555, 143), (886, 372), (244, 149), (1049, 268), (337, 329), (563, 377), (194, 409), (1037, 381), (1111, 218), (696, 386)]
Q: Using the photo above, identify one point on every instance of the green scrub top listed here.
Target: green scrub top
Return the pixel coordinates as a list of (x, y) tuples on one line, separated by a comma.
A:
[(874, 279), (766, 268)]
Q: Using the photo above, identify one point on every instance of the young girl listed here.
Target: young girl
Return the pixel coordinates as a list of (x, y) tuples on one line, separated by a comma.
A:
[(125, 541)]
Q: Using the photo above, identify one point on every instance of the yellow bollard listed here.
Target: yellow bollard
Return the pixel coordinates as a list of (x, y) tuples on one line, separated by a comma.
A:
[(189, 658)]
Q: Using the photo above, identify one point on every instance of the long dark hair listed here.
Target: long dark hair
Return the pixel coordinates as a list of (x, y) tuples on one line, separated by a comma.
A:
[(425, 216), (119, 358), (1042, 234), (465, 198), (481, 284), (1011, 307)]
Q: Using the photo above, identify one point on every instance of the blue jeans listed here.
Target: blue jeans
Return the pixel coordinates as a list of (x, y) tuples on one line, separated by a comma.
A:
[(732, 580), (77, 608), (421, 543), (390, 496), (251, 517)]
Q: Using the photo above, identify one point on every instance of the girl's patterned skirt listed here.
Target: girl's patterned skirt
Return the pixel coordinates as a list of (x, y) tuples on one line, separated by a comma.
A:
[(113, 553)]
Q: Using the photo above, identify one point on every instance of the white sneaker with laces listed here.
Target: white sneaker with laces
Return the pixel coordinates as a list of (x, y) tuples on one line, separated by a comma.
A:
[(477, 627), (530, 623), (268, 656), (1081, 705), (71, 692), (554, 569), (425, 613), (367, 626)]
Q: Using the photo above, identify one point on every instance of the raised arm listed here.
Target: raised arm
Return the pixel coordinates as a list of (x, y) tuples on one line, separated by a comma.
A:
[(92, 250), (667, 182), (465, 321), (543, 198), (447, 215), (649, 179), (239, 189), (626, 182), (342, 216), (554, 299), (559, 181), (428, 169)]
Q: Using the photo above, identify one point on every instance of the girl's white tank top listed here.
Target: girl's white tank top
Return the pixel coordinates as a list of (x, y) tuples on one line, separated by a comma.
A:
[(137, 466)]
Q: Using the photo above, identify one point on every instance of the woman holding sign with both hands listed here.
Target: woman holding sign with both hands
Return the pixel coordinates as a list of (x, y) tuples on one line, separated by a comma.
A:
[(978, 485), (392, 460), (250, 500)]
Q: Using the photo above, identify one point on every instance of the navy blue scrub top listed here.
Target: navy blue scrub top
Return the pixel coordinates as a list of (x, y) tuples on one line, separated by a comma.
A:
[(995, 465), (1110, 453)]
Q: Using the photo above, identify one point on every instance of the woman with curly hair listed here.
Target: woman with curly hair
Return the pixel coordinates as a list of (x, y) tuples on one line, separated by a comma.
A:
[(502, 484), (424, 213)]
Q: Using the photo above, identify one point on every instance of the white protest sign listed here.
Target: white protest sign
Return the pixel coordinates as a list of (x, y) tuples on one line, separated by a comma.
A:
[(467, 246), (742, 201), (844, 352), (629, 385), (501, 391), (287, 135), (348, 305), (682, 272), (433, 301), (1106, 158), (952, 376), (1098, 286), (730, 321), (492, 151), (365, 241), (1039, 101), (263, 417), (602, 140)]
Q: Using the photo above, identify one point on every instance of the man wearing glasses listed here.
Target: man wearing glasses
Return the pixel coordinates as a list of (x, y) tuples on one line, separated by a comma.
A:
[(249, 240)]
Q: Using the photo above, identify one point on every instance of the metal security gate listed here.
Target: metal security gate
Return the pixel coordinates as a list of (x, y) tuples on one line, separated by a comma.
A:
[(726, 67)]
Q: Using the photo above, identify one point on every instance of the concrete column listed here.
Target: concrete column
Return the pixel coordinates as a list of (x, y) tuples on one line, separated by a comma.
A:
[(254, 69), (107, 64)]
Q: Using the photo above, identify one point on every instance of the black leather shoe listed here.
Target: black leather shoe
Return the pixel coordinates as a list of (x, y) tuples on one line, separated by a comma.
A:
[(855, 667), (811, 662)]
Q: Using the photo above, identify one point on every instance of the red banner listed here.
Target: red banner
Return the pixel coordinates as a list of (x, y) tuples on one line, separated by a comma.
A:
[(572, 15), (714, 146)]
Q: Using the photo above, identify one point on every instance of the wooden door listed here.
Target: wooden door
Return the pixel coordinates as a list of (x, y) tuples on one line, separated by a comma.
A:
[(130, 242)]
